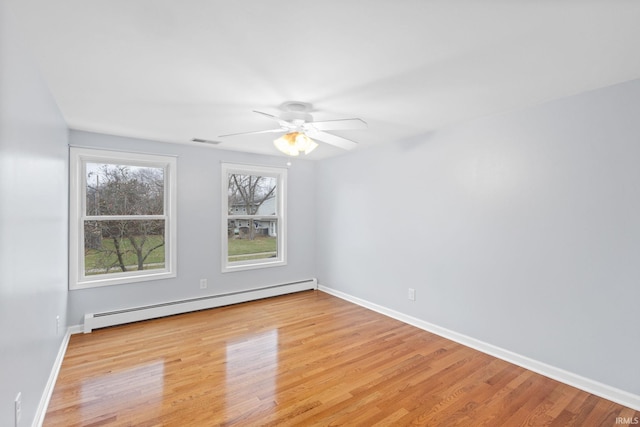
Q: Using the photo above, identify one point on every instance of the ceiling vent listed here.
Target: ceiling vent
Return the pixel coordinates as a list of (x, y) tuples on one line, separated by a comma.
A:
[(205, 141)]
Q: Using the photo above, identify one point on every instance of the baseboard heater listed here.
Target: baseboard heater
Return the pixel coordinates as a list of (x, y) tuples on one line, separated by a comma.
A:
[(119, 317)]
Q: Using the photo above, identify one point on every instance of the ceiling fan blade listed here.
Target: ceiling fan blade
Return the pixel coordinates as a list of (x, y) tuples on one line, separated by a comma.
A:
[(283, 123), (271, 116), (341, 124), (335, 140), (252, 133)]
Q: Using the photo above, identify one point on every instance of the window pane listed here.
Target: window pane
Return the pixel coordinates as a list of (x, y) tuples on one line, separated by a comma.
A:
[(252, 239), (124, 190), (252, 195), (253, 210), (117, 246)]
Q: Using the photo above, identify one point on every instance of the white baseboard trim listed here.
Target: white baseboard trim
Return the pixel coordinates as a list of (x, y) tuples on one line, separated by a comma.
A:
[(76, 329), (594, 387), (38, 420)]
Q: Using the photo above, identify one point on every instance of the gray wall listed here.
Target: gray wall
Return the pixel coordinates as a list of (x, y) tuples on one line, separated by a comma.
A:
[(199, 233), (521, 230), (33, 226)]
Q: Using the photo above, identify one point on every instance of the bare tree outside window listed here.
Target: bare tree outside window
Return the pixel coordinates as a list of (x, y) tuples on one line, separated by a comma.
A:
[(252, 208), (120, 231)]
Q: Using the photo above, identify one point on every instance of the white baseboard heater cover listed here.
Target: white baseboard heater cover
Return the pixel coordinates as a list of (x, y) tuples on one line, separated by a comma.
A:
[(136, 314)]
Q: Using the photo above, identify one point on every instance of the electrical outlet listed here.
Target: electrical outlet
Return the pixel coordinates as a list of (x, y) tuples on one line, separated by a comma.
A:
[(412, 294), (57, 325), (18, 408), (203, 283)]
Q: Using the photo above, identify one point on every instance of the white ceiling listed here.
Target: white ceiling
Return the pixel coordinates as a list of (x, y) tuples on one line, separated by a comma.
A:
[(174, 70)]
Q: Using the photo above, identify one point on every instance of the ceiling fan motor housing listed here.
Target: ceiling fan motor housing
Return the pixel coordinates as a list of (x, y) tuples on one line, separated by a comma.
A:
[(296, 106), (297, 118)]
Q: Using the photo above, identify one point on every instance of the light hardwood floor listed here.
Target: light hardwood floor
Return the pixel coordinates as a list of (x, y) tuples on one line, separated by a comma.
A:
[(302, 359)]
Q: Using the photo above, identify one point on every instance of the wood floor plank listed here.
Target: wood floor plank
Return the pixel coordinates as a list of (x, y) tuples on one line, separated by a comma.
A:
[(302, 359)]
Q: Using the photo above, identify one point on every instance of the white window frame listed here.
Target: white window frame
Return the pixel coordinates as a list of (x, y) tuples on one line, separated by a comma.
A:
[(79, 157), (281, 206)]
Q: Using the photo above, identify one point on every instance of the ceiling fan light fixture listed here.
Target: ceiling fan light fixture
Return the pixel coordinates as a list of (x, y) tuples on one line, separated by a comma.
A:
[(293, 143)]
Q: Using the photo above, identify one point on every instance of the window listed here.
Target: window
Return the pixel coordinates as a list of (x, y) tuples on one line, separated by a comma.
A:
[(122, 218), (253, 217)]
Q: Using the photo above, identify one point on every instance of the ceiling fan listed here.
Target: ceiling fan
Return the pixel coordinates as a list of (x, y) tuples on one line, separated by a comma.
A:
[(299, 127)]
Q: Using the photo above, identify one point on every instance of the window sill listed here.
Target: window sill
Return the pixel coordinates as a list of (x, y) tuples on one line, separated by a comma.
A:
[(120, 280), (252, 266)]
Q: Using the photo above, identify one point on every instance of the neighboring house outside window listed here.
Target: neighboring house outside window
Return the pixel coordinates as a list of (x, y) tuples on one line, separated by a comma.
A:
[(253, 217), (266, 227), (122, 217)]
